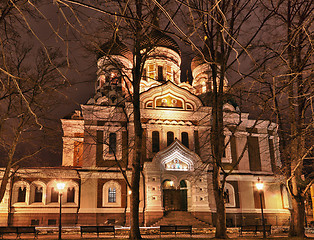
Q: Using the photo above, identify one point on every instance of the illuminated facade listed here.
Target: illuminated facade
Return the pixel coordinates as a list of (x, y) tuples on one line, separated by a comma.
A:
[(98, 140)]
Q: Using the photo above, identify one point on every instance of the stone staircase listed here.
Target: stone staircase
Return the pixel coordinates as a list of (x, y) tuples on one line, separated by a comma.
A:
[(180, 218)]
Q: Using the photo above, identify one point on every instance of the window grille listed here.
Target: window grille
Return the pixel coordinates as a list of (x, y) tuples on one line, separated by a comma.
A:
[(112, 195)]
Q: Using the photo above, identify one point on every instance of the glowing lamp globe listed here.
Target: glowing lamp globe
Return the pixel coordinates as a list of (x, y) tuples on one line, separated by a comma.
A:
[(259, 186), (60, 186)]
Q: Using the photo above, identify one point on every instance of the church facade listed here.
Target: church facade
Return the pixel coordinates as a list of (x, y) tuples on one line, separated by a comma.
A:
[(176, 176)]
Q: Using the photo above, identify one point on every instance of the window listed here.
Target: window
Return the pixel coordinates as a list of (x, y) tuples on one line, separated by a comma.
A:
[(34, 222), (229, 195), (54, 195), (78, 153), (160, 73), (185, 139), (112, 143), (151, 71), (225, 146), (112, 195), (169, 73), (272, 154), (21, 194), (204, 88), (52, 222), (155, 142), (228, 149), (144, 74), (170, 138), (285, 197), (38, 194), (254, 153), (70, 195)]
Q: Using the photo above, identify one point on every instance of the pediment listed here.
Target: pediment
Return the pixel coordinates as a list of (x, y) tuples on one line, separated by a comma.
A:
[(171, 97), (177, 157)]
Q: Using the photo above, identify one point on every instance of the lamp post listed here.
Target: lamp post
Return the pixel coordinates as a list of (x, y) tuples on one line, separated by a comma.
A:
[(260, 185), (60, 187)]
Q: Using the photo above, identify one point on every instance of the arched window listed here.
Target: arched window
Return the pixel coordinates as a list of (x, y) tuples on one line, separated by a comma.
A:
[(160, 74), (111, 194), (185, 139), (54, 195), (70, 195), (229, 195), (144, 74), (170, 138), (285, 197), (21, 197), (112, 143), (155, 141), (20, 193)]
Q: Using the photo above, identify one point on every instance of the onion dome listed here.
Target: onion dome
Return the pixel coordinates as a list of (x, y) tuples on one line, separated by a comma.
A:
[(159, 39), (114, 47), (197, 61)]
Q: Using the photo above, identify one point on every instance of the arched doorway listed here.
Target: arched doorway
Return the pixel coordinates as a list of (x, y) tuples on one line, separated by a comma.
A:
[(174, 197)]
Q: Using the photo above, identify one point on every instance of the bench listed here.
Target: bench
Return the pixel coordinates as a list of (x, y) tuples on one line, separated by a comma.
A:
[(255, 229), (176, 229), (97, 229), (18, 231)]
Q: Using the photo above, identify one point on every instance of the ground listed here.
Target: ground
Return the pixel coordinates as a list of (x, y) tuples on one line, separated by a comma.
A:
[(233, 234)]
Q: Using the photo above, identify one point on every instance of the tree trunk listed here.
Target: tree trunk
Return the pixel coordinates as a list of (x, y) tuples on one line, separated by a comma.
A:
[(135, 198), (6, 175), (137, 160), (297, 217), (217, 144), (136, 167), (221, 230), (4, 182)]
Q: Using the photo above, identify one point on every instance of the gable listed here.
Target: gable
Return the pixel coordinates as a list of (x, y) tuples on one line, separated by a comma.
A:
[(177, 157), (170, 96)]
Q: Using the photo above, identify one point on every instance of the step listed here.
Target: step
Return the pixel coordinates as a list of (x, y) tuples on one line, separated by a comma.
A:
[(180, 218)]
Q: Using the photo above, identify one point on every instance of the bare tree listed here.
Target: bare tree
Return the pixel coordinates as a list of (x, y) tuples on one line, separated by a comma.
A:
[(229, 31), (136, 20), (288, 78), (30, 88)]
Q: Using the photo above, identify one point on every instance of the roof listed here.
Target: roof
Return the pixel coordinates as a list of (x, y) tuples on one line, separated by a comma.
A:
[(159, 39), (114, 47)]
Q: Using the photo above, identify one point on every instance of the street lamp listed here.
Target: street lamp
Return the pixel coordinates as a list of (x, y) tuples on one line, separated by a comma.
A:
[(260, 185), (60, 187)]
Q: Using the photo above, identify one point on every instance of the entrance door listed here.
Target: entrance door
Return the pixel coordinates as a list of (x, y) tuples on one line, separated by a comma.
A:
[(174, 199)]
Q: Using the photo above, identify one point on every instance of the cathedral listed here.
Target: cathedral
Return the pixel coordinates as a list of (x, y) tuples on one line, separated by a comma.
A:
[(176, 118)]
